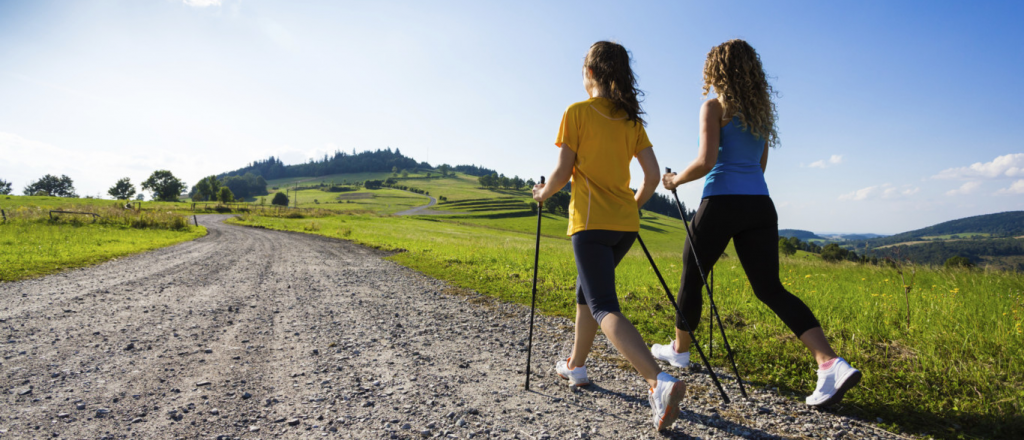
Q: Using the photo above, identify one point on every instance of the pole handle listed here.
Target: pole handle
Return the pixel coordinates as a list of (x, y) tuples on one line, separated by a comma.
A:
[(541, 179)]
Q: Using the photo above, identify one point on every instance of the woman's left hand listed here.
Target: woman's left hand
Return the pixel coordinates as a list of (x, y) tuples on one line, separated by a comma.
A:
[(538, 192), (669, 181)]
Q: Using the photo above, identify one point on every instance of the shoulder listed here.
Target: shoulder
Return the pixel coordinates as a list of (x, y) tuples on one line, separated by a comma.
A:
[(712, 107), (576, 107)]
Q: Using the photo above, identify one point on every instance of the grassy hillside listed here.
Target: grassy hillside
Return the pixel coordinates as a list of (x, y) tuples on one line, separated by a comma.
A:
[(949, 372), (1003, 224), (32, 244)]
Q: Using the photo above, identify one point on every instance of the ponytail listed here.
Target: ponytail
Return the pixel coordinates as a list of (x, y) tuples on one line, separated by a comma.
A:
[(609, 63)]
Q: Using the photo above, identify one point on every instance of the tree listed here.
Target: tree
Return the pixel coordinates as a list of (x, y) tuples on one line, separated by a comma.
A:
[(52, 186), (405, 173), (958, 262), (280, 199), (140, 197), (122, 190), (786, 247), (225, 195), (530, 183), (164, 185), (833, 253), (444, 169), (558, 203), (394, 171), (5, 187), (208, 188)]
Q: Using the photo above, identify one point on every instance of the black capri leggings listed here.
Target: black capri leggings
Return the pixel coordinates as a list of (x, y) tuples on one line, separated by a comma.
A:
[(752, 223), (597, 253)]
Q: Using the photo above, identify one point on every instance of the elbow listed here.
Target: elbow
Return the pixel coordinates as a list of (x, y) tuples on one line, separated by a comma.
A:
[(705, 167)]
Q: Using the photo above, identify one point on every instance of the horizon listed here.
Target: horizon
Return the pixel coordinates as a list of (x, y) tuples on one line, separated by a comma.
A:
[(884, 128)]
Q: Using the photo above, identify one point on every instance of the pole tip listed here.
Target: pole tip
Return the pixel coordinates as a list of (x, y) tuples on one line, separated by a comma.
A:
[(668, 170)]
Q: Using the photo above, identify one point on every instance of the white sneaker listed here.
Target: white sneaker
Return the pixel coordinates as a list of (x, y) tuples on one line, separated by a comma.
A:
[(577, 376), (665, 400), (833, 383), (668, 354)]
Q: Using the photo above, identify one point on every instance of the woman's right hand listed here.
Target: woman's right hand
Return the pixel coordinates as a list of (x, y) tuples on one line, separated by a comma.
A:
[(538, 192), (669, 181)]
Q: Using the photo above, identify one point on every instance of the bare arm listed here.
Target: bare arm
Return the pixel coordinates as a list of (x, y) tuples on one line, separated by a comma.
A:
[(764, 158), (559, 177), (651, 176), (707, 153)]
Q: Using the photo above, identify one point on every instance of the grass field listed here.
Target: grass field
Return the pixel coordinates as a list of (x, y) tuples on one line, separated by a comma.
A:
[(32, 245), (951, 373)]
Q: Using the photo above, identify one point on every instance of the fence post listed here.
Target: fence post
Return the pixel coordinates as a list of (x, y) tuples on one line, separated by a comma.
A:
[(4, 214), (195, 220)]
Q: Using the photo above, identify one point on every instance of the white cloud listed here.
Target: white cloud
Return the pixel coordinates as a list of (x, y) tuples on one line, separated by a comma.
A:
[(883, 191), (1010, 165), (964, 189), (202, 3), (1015, 188), (836, 159)]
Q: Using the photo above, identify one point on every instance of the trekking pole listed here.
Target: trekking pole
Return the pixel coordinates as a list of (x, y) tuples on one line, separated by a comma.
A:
[(711, 298), (533, 300), (693, 339), (711, 319)]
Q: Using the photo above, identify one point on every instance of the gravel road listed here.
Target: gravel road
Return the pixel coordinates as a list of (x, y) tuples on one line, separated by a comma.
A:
[(251, 333), (424, 209)]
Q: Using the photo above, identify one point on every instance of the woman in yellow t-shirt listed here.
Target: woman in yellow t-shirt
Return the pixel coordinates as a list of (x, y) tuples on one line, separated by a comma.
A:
[(597, 140)]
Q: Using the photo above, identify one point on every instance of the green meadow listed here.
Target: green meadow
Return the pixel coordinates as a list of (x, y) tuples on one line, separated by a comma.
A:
[(950, 370), (32, 245)]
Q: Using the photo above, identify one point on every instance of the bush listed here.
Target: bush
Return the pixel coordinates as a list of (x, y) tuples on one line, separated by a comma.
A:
[(786, 247), (833, 253), (956, 262), (280, 199)]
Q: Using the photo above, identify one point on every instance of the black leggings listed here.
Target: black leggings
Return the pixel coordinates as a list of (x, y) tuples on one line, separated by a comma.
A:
[(752, 223), (597, 253)]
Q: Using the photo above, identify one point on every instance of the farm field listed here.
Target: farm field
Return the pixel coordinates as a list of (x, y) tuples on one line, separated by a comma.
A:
[(950, 372), (31, 245)]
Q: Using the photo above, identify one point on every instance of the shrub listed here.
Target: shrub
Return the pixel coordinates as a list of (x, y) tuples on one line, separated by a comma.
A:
[(280, 199), (958, 262)]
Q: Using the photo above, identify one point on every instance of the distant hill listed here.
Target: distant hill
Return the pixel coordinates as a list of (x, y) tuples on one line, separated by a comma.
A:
[(1003, 224), (988, 239), (799, 233), (344, 163), (859, 236)]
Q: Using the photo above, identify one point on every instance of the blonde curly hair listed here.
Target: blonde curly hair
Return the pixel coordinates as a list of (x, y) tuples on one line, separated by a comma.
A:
[(734, 69)]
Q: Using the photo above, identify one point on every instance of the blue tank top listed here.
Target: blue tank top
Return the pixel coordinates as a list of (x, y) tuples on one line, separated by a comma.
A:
[(738, 169)]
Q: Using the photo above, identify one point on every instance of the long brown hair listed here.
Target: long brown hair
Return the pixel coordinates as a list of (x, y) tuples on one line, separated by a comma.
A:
[(734, 69), (609, 63)]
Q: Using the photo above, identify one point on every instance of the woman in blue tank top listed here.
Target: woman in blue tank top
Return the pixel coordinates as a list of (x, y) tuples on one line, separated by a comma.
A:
[(737, 128)]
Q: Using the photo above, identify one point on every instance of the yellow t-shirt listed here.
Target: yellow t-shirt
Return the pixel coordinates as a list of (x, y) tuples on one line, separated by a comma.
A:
[(605, 142)]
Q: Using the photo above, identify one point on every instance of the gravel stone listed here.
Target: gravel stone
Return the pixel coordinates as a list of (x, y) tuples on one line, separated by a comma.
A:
[(240, 311)]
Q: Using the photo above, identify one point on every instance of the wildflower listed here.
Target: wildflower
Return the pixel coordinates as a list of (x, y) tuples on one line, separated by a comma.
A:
[(808, 276)]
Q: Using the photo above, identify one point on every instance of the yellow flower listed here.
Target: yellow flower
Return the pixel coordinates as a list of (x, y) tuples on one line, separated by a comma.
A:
[(887, 280), (808, 276), (863, 279)]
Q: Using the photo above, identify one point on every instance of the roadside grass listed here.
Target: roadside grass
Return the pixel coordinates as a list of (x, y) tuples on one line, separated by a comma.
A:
[(32, 244), (953, 372)]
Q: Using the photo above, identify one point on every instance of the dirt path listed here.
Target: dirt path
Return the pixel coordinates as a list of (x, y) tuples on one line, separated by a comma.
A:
[(251, 333), (424, 209)]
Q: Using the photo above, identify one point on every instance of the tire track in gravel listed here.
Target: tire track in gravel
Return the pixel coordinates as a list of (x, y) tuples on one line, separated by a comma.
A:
[(251, 333)]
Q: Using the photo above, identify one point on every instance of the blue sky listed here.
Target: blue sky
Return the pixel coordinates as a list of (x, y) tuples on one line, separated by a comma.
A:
[(893, 115)]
